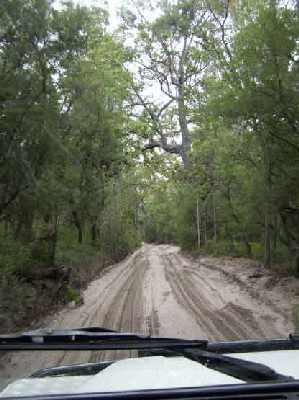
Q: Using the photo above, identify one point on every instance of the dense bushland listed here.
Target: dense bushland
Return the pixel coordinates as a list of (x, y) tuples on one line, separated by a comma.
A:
[(181, 126), (65, 195), (228, 73)]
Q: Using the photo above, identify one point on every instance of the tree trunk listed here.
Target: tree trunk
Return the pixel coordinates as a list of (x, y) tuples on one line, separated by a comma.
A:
[(77, 224), (94, 232), (80, 234), (268, 204), (267, 242), (198, 224), (205, 226), (53, 234), (186, 142), (6, 228), (276, 229), (24, 228), (244, 236), (214, 219), (290, 226), (18, 229), (297, 263), (247, 246)]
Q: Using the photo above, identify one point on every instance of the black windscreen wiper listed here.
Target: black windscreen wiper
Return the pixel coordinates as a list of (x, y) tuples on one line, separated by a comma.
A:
[(90, 339), (196, 350), (97, 338), (248, 371), (247, 346)]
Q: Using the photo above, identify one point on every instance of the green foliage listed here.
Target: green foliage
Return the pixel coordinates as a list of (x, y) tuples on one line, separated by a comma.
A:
[(63, 140), (15, 256), (72, 295), (62, 127), (224, 248), (118, 233), (240, 191), (186, 219), (160, 218), (296, 317), (76, 183), (68, 251), (16, 299), (257, 250)]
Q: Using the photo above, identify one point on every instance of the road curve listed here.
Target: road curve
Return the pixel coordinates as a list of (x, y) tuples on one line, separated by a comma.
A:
[(159, 291)]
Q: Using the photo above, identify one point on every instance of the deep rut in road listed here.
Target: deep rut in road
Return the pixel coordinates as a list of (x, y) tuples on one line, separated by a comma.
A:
[(159, 291)]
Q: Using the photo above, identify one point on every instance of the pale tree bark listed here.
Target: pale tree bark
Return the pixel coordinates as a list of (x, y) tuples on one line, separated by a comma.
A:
[(78, 225), (182, 109), (198, 224), (290, 226), (186, 141), (167, 58), (214, 218), (267, 242), (244, 234), (268, 204), (93, 232), (205, 233)]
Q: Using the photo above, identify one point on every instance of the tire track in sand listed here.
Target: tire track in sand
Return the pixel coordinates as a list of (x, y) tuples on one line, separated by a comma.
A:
[(228, 311), (157, 291), (213, 328), (97, 303), (233, 321)]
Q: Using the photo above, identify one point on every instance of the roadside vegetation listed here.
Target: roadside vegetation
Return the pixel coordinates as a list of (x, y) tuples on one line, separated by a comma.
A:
[(296, 317), (181, 126), (66, 207), (229, 72)]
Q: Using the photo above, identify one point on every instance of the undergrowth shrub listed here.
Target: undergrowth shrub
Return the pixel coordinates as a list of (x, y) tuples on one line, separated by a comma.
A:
[(15, 256), (257, 250), (225, 248), (29, 287), (17, 298), (295, 313), (73, 295)]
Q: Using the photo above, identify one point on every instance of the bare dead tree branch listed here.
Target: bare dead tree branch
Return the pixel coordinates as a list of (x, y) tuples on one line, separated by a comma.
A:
[(169, 148)]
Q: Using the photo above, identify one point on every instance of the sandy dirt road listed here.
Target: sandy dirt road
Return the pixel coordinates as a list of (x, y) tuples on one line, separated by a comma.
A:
[(159, 291)]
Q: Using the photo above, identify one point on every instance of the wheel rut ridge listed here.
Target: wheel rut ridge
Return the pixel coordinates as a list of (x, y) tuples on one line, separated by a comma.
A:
[(133, 305), (240, 317), (112, 320), (125, 310), (253, 293), (187, 303), (96, 315), (230, 314), (231, 319), (92, 317), (221, 326), (132, 311), (152, 323)]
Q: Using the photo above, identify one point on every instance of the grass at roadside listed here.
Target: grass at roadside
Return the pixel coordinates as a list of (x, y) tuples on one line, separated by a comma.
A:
[(29, 290), (282, 264), (25, 299), (296, 317)]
